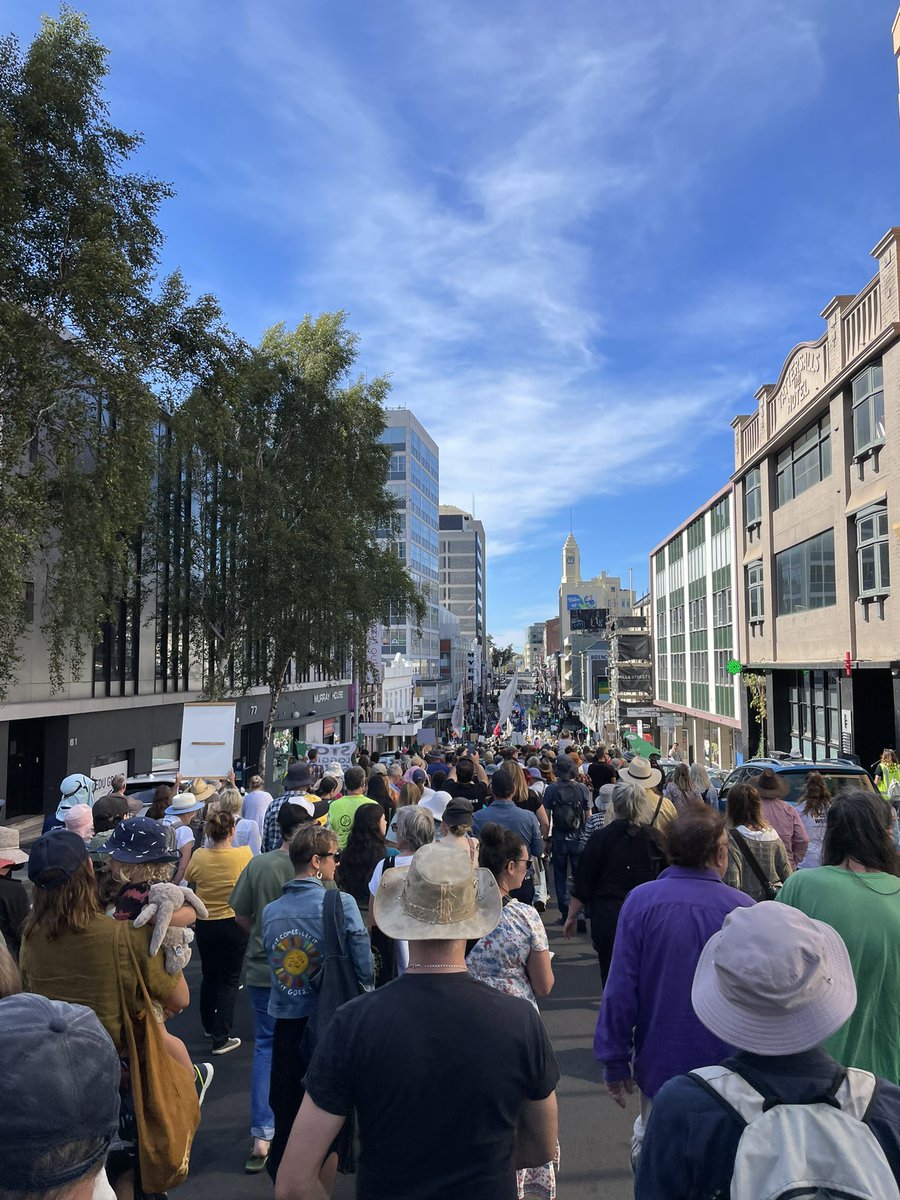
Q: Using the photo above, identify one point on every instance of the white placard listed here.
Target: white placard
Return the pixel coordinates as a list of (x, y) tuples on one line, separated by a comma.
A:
[(342, 753), (103, 777), (207, 740)]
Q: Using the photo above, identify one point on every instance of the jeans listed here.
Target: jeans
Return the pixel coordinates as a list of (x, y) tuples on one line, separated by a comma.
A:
[(261, 1116), (565, 855), (221, 944)]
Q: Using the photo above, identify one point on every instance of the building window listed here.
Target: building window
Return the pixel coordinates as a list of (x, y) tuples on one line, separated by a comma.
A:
[(753, 497), (697, 614), (755, 609), (720, 516), (805, 462), (868, 409), (698, 666), (722, 608), (804, 575), (814, 714), (873, 551), (677, 624)]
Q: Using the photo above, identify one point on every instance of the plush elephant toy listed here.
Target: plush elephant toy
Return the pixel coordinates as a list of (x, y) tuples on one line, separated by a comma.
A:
[(165, 900)]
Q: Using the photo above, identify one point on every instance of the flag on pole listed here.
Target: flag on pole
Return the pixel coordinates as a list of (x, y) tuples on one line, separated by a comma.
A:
[(456, 720), (507, 700)]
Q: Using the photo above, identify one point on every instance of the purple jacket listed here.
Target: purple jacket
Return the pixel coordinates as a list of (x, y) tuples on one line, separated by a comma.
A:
[(646, 1011), (785, 820)]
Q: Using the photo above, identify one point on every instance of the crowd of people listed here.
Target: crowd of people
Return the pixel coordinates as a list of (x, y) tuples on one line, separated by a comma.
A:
[(404, 900)]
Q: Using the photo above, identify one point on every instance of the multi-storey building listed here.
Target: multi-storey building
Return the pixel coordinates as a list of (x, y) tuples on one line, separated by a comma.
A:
[(534, 645), (413, 480), (585, 606), (463, 568), (817, 511), (693, 580)]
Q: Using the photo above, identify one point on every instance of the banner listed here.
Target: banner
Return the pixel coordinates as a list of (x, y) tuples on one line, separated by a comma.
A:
[(342, 753), (458, 718), (507, 700)]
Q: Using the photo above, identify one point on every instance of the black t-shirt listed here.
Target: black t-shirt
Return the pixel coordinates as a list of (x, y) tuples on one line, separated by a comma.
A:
[(476, 791), (616, 859), (479, 1084), (600, 773), (13, 911)]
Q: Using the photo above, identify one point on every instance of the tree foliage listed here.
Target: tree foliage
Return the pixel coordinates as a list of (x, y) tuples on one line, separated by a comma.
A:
[(290, 562), (90, 344)]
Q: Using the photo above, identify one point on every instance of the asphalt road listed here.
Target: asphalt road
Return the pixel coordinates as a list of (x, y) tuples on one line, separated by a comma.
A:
[(594, 1132)]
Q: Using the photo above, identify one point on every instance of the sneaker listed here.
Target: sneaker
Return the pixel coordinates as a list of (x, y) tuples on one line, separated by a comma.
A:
[(227, 1045), (204, 1076)]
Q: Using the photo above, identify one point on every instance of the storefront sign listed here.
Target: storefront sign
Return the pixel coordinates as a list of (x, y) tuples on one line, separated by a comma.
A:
[(103, 777), (374, 728)]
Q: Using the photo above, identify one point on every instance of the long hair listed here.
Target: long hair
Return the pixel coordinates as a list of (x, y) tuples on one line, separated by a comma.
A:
[(364, 850), (10, 979), (699, 778), (681, 778), (219, 826), (888, 756), (162, 798), (377, 790), (816, 798), (410, 793), (744, 807), (66, 909), (520, 788), (858, 826)]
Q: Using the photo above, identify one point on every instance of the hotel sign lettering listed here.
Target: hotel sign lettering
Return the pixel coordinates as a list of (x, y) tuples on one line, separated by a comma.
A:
[(803, 376)]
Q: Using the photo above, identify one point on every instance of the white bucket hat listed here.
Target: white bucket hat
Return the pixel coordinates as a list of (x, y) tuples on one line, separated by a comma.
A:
[(439, 896), (639, 771), (9, 846), (435, 803), (773, 981)]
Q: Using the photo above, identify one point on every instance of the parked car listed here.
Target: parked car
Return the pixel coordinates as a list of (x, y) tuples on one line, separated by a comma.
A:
[(839, 774), (143, 787)]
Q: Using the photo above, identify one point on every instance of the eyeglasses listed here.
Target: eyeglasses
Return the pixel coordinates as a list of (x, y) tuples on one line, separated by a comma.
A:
[(335, 854)]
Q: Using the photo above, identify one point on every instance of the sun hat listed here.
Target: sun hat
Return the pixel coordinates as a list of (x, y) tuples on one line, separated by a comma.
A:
[(9, 846), (774, 981), (298, 776), (639, 771), (55, 858), (140, 840), (74, 789), (438, 896), (379, 769), (436, 803), (769, 785), (61, 1075), (191, 801), (534, 773)]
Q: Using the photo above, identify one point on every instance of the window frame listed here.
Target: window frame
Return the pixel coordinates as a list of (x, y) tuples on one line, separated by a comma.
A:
[(799, 449), (806, 584), (869, 399), (756, 605), (753, 488), (876, 513)]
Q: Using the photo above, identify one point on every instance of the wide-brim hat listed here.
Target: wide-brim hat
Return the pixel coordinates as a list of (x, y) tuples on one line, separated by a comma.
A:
[(140, 840), (769, 785), (9, 846), (191, 801), (298, 776), (439, 896), (640, 771), (774, 981)]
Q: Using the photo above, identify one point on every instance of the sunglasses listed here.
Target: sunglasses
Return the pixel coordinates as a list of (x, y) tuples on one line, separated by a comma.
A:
[(335, 854)]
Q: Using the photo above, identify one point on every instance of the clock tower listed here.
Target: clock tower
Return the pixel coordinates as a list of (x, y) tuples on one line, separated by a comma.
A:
[(571, 558)]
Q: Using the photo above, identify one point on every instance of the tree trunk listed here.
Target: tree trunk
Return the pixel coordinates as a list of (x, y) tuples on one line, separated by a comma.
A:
[(276, 695)]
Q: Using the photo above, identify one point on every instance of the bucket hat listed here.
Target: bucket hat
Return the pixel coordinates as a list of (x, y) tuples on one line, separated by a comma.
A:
[(769, 785), (459, 811), (74, 789), (298, 776), (773, 981), (191, 801), (639, 771), (9, 846), (439, 896), (140, 840), (436, 803)]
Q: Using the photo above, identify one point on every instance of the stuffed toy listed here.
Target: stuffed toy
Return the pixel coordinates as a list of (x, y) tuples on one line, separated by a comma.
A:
[(164, 901)]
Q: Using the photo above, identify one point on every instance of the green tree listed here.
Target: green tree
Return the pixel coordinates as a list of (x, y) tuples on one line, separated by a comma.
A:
[(293, 560), (90, 344)]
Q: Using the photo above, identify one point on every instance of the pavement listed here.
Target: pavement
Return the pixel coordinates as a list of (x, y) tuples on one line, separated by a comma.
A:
[(594, 1132)]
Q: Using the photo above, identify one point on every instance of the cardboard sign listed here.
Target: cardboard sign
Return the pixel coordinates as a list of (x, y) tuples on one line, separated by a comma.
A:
[(342, 753), (207, 740)]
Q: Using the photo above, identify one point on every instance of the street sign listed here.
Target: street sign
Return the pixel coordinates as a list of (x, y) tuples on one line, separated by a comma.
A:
[(373, 728), (647, 713)]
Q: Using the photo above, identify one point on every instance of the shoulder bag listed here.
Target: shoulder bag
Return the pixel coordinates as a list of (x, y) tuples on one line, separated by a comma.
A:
[(769, 891), (166, 1108)]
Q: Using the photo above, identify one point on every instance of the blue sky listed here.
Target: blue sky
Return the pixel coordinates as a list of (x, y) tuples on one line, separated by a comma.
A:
[(578, 236)]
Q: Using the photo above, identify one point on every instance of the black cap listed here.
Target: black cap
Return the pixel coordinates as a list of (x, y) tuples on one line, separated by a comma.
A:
[(55, 858), (458, 811)]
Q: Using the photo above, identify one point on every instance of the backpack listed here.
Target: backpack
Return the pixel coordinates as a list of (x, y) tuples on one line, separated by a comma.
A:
[(817, 1149), (568, 810)]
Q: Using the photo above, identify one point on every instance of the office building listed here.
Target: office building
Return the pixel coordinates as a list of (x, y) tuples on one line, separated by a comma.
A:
[(534, 646), (463, 575), (817, 514), (585, 607)]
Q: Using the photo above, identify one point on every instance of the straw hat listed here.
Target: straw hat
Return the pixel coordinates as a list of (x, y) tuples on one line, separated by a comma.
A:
[(439, 896), (9, 846), (639, 771), (191, 801)]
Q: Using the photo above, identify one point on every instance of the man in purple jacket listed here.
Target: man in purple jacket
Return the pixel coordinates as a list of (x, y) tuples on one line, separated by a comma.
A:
[(647, 1030)]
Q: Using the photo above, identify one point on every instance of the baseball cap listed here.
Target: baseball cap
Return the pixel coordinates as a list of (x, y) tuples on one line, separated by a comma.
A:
[(140, 840), (61, 1075), (55, 858)]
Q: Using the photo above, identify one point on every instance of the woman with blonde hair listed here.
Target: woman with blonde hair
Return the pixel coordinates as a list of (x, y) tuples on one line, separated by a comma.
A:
[(887, 773), (701, 783), (410, 794), (680, 790), (813, 808), (246, 832)]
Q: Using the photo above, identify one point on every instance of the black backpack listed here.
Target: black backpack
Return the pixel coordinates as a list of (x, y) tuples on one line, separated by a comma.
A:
[(568, 810)]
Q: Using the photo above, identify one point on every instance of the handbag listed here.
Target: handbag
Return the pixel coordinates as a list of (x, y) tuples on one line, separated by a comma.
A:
[(384, 948), (166, 1107), (769, 891)]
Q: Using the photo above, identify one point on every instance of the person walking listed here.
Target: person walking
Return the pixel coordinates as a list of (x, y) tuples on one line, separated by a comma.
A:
[(365, 849), (568, 803), (297, 788), (212, 873), (782, 817), (757, 860), (261, 882), (778, 986), (510, 1120), (180, 814), (857, 892), (246, 832), (647, 1030), (617, 858), (256, 802), (658, 810), (812, 808), (702, 784), (680, 790), (341, 812), (293, 934)]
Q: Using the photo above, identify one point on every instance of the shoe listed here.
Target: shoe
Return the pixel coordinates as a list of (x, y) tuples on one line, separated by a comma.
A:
[(540, 906), (256, 1162), (204, 1076), (227, 1045)]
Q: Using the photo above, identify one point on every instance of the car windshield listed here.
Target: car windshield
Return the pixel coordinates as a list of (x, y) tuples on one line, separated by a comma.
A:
[(837, 781)]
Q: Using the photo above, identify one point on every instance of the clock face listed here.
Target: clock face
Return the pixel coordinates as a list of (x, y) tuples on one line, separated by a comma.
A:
[(570, 559)]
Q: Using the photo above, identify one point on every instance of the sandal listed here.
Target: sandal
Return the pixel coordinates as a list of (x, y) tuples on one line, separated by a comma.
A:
[(256, 1162)]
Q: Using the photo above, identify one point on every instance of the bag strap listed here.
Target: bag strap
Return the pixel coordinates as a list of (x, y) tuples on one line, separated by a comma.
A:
[(752, 861), (656, 811), (334, 927)]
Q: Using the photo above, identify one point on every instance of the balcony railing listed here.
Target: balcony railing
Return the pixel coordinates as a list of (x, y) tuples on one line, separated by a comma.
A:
[(861, 323)]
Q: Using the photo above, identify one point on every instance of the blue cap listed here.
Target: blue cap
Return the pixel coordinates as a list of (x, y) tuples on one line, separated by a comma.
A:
[(61, 1076), (139, 840), (55, 858)]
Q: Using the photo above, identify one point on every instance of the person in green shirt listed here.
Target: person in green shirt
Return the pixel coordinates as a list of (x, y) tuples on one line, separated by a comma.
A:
[(262, 881), (341, 812), (857, 892)]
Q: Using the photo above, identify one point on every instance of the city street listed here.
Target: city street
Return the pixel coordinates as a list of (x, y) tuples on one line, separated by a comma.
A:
[(594, 1133)]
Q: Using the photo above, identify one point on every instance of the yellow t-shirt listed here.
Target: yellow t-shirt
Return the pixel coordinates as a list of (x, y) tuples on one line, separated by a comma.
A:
[(213, 874)]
